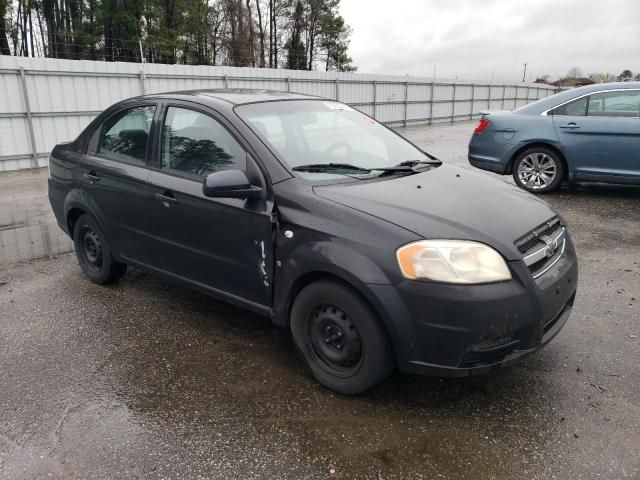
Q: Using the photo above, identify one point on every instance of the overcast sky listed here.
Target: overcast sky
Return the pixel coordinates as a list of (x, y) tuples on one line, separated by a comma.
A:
[(473, 38)]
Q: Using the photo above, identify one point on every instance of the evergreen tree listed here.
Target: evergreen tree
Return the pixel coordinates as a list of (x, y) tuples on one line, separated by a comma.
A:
[(4, 41), (296, 54), (311, 33)]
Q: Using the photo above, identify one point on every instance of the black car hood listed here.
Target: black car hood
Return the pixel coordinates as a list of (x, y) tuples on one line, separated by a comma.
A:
[(448, 202)]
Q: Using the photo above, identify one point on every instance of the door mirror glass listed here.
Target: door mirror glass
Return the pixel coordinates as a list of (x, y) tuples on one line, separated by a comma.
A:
[(229, 184)]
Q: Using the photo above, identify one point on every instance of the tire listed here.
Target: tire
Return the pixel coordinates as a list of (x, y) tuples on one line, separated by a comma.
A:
[(538, 170), (340, 338), (94, 253)]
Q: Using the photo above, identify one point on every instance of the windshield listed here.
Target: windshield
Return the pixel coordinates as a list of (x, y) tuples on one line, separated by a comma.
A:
[(311, 134)]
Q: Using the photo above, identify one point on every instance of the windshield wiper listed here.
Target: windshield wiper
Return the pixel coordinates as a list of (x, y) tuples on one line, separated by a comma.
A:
[(417, 163), (410, 166), (348, 169), (331, 168)]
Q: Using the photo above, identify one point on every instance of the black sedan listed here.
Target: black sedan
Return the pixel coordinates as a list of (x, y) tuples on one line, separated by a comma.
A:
[(373, 253)]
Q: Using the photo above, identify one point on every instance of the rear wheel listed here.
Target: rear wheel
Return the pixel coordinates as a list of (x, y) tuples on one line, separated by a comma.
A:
[(538, 170), (94, 253), (340, 338)]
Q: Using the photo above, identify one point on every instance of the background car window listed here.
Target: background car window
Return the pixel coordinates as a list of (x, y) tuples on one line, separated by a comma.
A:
[(196, 144), (615, 104), (124, 136), (577, 108)]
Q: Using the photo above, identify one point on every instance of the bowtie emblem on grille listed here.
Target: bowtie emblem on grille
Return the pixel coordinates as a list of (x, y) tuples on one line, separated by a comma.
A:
[(552, 246)]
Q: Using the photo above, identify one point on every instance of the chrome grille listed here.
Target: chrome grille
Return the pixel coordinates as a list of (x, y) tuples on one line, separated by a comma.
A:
[(543, 247), (534, 239)]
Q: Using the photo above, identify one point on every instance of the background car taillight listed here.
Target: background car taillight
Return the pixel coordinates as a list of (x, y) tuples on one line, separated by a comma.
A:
[(482, 125)]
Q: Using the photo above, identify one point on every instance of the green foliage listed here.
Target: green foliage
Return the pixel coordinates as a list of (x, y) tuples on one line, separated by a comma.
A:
[(311, 33), (625, 76), (296, 53), (4, 41)]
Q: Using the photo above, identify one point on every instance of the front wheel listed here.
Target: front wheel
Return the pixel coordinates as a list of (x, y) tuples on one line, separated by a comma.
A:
[(340, 338), (538, 170), (94, 253)]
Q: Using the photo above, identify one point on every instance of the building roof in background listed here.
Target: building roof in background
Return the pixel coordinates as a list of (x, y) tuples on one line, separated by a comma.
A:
[(573, 82)]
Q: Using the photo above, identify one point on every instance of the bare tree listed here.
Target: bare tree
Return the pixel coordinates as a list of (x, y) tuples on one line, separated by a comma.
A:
[(261, 35), (4, 41), (574, 72), (597, 77)]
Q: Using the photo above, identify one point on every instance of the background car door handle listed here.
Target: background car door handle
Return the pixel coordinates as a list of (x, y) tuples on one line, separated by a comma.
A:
[(92, 177), (570, 125), (166, 198)]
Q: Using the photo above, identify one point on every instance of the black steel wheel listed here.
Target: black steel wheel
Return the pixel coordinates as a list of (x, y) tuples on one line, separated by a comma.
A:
[(340, 338), (334, 339), (93, 252)]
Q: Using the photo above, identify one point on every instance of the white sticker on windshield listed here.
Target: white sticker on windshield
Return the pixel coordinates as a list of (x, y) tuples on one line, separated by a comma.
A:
[(338, 106)]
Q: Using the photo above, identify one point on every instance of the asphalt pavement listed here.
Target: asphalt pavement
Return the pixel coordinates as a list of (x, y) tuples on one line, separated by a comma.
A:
[(144, 379)]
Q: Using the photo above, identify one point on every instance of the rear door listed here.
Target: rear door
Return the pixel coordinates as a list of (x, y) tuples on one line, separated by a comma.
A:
[(224, 244), (601, 134), (114, 175)]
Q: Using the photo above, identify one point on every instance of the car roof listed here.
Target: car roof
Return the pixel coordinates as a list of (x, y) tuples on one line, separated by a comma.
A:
[(233, 96), (554, 100)]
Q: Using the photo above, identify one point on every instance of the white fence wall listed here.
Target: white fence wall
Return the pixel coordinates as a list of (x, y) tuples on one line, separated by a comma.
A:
[(45, 101)]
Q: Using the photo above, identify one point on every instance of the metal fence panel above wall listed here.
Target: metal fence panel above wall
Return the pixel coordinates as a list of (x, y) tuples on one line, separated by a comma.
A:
[(45, 101)]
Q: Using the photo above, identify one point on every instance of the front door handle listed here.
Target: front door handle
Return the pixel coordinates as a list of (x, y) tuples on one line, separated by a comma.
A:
[(166, 198), (570, 125), (92, 177)]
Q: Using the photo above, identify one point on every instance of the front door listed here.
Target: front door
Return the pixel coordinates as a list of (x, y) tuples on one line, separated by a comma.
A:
[(601, 134), (223, 244)]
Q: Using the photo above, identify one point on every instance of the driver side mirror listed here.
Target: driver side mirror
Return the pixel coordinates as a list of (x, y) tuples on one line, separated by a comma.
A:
[(229, 184)]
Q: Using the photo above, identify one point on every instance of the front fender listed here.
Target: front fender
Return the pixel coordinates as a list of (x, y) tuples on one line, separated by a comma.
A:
[(330, 258)]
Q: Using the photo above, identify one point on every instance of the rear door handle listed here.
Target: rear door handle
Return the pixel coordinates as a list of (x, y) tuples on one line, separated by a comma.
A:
[(570, 125), (166, 198), (92, 177)]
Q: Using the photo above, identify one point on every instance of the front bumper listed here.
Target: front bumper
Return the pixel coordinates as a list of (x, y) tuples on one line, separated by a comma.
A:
[(452, 330)]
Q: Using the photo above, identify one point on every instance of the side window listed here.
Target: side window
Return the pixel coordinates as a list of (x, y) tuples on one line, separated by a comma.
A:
[(615, 104), (577, 108), (124, 136), (196, 144)]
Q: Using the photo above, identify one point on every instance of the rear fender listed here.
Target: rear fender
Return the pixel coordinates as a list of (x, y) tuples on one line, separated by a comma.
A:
[(81, 200), (545, 142)]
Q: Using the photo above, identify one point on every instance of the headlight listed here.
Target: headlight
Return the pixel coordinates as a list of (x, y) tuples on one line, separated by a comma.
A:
[(452, 261)]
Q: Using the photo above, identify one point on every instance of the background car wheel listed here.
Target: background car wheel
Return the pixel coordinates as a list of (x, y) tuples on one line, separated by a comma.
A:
[(340, 338), (93, 252), (538, 170)]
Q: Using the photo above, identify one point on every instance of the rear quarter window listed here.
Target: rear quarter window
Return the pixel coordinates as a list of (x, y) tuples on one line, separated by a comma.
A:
[(576, 108), (125, 135)]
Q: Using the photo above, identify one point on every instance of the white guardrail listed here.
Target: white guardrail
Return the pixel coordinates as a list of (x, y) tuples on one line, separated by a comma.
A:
[(45, 101)]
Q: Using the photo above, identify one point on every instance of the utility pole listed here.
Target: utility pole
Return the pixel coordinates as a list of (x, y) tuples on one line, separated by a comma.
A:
[(524, 74)]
